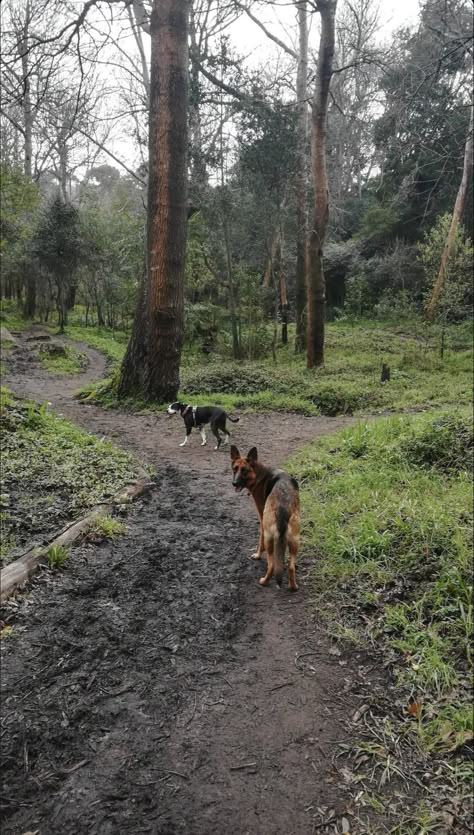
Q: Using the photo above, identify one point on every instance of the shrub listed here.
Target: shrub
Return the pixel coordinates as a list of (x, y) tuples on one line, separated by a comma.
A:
[(445, 443), (332, 401), (232, 379)]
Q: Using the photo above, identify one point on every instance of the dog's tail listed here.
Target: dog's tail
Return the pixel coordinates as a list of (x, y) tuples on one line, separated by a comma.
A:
[(282, 519), (234, 420)]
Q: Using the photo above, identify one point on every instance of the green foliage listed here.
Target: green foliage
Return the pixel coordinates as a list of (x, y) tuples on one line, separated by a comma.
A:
[(348, 384), (106, 527), (57, 555), (445, 443), (378, 226), (456, 297), (69, 362), (231, 379), (58, 239), (392, 539), (112, 343), (20, 198), (358, 299), (68, 470)]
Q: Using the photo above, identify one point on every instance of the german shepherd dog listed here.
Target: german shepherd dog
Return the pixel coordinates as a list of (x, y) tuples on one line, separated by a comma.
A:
[(198, 416), (276, 496)]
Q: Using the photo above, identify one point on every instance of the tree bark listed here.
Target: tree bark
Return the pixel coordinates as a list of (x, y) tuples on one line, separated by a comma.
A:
[(158, 335), (29, 306), (26, 99), (315, 283), (301, 177), (457, 213)]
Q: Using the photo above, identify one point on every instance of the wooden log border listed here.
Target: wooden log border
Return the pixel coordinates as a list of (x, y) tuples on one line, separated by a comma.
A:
[(17, 573)]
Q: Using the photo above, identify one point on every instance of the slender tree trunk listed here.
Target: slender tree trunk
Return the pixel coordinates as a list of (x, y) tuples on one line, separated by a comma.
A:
[(29, 306), (198, 174), (301, 177), (315, 283), (282, 293), (457, 213), (151, 363), (26, 99), (232, 304)]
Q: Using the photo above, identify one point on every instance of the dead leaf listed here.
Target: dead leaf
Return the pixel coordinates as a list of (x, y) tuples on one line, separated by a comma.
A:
[(345, 826), (415, 709), (334, 651), (5, 632), (360, 712)]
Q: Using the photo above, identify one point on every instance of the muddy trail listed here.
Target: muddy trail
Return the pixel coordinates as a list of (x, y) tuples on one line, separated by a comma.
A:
[(153, 686)]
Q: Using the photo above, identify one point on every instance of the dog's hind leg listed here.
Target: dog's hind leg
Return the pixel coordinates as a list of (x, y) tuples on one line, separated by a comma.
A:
[(293, 549), (203, 435)]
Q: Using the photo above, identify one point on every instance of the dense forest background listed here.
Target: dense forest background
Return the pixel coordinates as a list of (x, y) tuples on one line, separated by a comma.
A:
[(75, 94)]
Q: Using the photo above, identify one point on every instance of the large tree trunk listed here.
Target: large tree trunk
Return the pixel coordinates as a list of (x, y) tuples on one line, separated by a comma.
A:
[(151, 364), (457, 213), (301, 214), (315, 283)]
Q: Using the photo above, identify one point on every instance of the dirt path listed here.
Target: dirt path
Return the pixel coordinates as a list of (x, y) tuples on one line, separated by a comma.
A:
[(154, 686)]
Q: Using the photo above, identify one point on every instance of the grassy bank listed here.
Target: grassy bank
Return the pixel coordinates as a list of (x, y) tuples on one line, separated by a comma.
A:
[(67, 469), (387, 510), (348, 384)]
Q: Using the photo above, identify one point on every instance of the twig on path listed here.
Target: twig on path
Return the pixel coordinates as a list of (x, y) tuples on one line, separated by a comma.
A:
[(240, 767), (194, 710), (178, 774), (279, 686)]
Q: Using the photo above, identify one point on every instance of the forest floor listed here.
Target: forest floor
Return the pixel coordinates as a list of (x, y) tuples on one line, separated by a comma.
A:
[(153, 686)]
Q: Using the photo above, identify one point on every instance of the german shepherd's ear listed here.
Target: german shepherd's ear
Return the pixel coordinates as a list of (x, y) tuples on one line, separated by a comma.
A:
[(234, 453), (252, 456)]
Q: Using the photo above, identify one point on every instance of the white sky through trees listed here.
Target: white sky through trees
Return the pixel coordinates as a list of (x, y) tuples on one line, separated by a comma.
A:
[(280, 18)]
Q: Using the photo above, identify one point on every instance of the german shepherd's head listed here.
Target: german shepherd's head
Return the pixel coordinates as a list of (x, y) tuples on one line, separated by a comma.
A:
[(243, 469)]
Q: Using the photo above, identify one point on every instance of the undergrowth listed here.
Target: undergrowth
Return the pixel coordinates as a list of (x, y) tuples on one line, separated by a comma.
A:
[(348, 384), (387, 525), (68, 471), (69, 361)]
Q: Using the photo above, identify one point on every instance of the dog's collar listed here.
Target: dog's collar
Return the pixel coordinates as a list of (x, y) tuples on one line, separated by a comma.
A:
[(194, 408)]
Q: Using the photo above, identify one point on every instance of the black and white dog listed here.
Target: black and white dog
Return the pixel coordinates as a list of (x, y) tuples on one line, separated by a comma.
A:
[(200, 415)]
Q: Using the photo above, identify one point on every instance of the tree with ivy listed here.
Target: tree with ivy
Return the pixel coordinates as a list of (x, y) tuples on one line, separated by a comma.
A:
[(456, 297)]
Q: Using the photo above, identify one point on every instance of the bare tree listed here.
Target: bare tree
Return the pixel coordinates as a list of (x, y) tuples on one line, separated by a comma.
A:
[(302, 175), (315, 283)]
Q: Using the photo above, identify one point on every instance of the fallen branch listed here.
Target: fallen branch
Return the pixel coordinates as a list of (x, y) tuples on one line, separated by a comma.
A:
[(15, 575)]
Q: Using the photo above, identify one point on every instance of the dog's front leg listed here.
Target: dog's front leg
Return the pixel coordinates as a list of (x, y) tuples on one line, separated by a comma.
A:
[(261, 546), (188, 432)]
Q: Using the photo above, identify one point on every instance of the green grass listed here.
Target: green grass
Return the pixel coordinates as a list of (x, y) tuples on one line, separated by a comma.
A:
[(72, 362), (106, 527), (67, 470), (349, 383), (57, 555), (387, 529), (111, 343)]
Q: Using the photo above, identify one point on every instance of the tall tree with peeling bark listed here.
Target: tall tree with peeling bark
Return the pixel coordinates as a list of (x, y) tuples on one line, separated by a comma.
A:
[(457, 213), (301, 176), (151, 364), (315, 283)]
